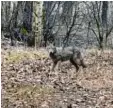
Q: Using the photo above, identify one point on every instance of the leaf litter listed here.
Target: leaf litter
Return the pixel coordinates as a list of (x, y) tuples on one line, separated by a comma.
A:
[(27, 81)]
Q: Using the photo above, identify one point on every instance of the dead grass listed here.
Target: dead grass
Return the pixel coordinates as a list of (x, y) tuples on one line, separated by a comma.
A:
[(17, 56)]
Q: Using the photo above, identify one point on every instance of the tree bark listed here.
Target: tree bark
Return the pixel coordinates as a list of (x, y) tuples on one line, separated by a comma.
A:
[(37, 22)]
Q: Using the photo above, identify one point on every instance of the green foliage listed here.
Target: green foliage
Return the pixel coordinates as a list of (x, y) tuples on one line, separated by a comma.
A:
[(24, 31)]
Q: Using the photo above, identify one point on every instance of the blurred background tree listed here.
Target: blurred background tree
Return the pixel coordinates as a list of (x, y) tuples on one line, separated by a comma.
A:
[(64, 23)]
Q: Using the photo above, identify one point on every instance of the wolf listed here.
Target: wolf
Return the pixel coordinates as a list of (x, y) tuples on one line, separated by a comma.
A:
[(64, 54)]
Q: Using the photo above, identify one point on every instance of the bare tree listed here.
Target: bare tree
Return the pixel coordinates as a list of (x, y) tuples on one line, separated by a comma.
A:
[(73, 20), (13, 22), (51, 10), (99, 24), (61, 15)]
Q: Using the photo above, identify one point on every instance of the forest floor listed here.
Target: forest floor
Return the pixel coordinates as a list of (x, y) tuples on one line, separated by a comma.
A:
[(27, 80)]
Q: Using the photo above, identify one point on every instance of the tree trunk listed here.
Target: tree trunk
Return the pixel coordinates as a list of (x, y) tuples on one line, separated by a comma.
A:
[(13, 22), (27, 16), (104, 13), (5, 15), (104, 19), (37, 22)]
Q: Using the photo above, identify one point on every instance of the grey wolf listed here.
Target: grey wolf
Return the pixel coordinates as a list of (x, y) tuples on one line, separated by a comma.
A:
[(63, 54)]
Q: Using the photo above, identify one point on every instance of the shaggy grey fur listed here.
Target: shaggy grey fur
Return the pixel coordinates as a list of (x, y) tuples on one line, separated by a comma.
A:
[(63, 54)]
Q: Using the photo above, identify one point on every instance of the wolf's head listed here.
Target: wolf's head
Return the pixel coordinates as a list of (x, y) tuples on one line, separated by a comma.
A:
[(51, 49)]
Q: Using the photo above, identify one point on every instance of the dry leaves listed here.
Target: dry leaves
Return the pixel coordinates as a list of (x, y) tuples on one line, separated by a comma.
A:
[(27, 81)]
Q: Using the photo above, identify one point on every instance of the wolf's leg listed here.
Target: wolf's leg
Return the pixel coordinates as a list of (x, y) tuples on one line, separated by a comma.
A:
[(75, 64), (54, 65), (83, 64), (59, 65)]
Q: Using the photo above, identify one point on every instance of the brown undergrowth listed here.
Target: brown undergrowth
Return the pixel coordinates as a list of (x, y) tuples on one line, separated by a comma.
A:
[(27, 81)]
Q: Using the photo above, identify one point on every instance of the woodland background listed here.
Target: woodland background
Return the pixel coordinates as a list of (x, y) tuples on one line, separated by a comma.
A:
[(28, 27), (72, 23)]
